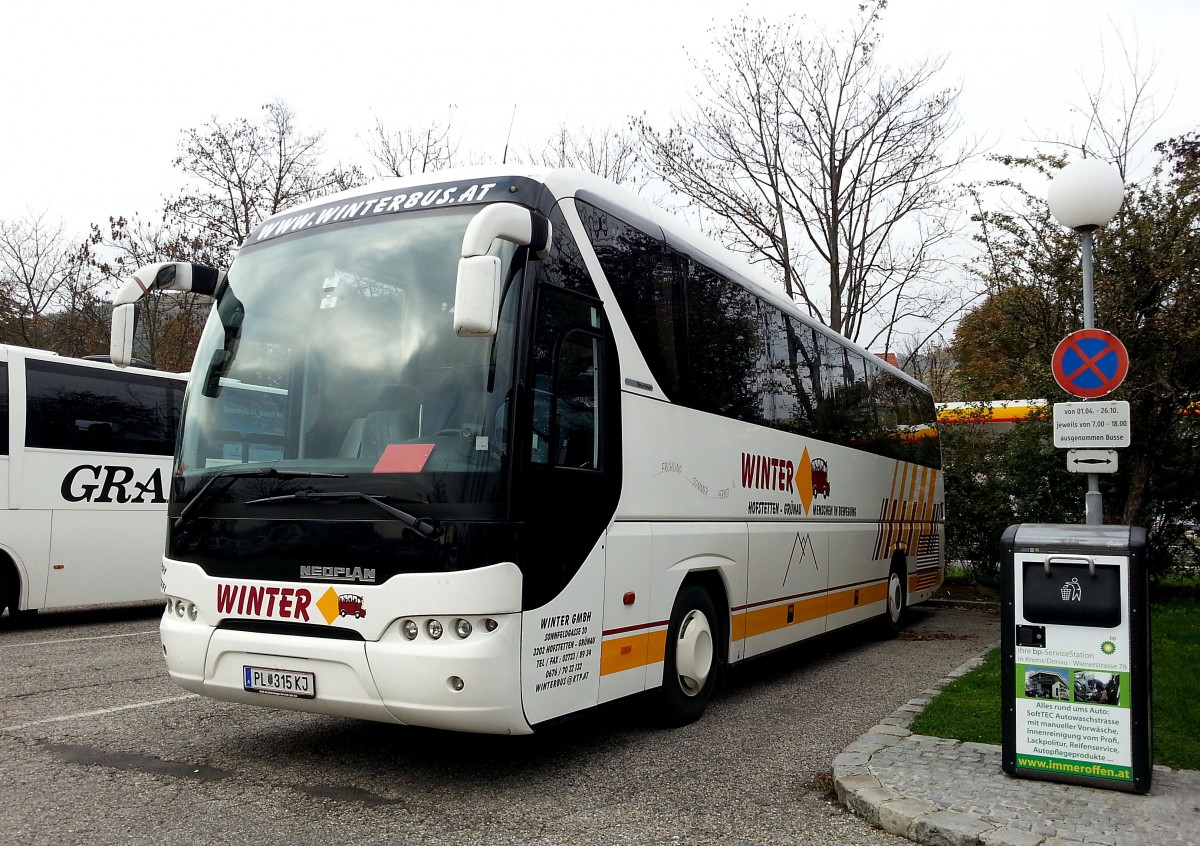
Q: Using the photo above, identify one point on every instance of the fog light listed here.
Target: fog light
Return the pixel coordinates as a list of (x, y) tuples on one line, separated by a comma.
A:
[(462, 628), (456, 683), (433, 628), (193, 612), (490, 624), (410, 629)]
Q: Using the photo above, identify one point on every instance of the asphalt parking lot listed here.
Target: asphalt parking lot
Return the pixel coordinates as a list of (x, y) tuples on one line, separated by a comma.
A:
[(99, 747)]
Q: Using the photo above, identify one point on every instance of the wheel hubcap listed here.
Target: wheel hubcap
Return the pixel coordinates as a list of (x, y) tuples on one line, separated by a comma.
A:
[(694, 652), (895, 597)]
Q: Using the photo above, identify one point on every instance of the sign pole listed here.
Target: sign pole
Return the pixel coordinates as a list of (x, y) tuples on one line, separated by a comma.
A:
[(1093, 505), (1089, 300)]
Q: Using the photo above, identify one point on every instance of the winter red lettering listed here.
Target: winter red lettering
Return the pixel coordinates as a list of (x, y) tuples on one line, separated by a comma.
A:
[(303, 598), (225, 595)]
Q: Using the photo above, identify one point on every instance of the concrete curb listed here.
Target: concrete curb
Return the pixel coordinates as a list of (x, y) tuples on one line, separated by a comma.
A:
[(980, 604), (1169, 814), (916, 819)]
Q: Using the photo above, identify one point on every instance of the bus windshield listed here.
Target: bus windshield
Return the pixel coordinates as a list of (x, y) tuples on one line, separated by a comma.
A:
[(333, 352)]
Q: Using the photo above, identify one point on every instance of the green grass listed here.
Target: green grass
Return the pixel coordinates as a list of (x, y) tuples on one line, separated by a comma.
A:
[(1175, 653), (969, 707)]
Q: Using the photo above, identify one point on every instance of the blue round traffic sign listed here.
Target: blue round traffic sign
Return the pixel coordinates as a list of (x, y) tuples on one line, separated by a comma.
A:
[(1090, 363)]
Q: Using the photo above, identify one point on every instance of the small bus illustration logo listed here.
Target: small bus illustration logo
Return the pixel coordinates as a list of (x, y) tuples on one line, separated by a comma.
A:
[(352, 605), (820, 477)]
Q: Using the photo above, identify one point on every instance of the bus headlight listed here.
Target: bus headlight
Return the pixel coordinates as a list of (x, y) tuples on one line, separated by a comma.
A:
[(410, 629), (193, 611), (179, 609), (462, 628), (433, 628)]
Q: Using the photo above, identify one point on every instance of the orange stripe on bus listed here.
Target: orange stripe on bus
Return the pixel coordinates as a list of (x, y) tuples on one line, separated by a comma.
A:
[(844, 600), (924, 581), (632, 651), (739, 627), (763, 620), (903, 482)]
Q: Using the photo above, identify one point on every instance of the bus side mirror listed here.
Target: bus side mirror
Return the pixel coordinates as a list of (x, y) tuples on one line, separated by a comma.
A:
[(481, 276), (120, 343), (477, 296), (180, 276)]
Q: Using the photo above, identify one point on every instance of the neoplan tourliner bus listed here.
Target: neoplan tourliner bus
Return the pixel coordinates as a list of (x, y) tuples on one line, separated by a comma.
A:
[(478, 450), (85, 461)]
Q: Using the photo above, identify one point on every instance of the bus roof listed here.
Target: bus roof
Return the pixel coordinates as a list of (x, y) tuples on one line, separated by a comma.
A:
[(566, 182)]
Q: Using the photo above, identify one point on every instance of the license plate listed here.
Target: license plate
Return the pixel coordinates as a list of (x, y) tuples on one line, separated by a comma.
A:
[(279, 682)]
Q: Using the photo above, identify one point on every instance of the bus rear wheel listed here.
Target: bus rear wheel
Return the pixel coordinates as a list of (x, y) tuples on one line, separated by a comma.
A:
[(894, 613), (692, 658)]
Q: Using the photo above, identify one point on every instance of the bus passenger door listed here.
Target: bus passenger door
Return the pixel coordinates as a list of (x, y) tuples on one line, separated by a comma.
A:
[(567, 487)]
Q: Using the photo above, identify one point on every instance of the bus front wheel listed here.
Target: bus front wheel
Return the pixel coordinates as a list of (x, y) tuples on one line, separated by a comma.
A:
[(691, 660), (10, 592), (8, 595)]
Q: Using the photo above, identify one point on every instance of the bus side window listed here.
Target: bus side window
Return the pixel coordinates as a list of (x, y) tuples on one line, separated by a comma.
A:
[(4, 408), (567, 374), (577, 402)]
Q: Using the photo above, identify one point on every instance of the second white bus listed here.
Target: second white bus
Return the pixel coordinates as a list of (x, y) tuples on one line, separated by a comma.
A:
[(481, 450), (85, 460)]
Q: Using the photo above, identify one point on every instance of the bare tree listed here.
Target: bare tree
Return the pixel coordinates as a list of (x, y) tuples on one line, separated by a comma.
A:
[(833, 169), (611, 153), (243, 172), (1120, 114), (931, 362), (403, 152), (47, 299)]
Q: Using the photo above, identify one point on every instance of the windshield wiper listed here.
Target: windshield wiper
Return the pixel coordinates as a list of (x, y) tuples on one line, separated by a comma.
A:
[(230, 476), (423, 526)]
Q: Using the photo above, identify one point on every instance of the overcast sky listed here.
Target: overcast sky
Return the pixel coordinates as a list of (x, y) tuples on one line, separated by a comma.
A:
[(94, 95)]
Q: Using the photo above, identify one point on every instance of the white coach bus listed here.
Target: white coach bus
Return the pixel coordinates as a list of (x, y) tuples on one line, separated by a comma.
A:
[(480, 450), (84, 471)]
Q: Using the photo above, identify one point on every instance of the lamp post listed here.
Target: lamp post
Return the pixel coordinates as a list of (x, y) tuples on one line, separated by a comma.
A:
[(1083, 197)]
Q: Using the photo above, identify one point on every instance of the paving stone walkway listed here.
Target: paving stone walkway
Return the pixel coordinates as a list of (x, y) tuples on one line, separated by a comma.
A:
[(950, 793)]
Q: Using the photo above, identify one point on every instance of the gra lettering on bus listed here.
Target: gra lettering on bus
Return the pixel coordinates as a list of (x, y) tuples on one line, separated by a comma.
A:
[(280, 603), (111, 483)]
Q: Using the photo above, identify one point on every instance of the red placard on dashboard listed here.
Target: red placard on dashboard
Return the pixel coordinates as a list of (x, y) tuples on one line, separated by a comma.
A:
[(403, 458)]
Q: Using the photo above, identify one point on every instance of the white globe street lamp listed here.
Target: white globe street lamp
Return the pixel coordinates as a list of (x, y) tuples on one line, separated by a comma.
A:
[(1084, 196)]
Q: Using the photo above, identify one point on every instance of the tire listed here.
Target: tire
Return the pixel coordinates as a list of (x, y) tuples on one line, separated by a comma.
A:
[(10, 595), (693, 657), (895, 606)]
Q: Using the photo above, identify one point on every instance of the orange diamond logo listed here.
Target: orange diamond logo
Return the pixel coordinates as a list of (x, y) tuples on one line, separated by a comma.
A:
[(328, 603), (804, 484)]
